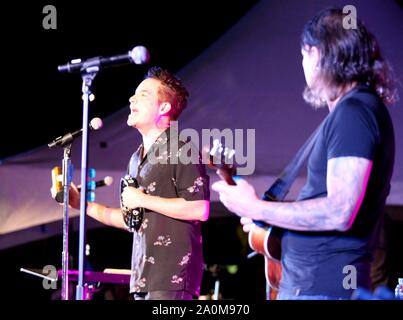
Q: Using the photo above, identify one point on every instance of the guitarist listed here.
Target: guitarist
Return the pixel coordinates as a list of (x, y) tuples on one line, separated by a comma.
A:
[(331, 229), (167, 259)]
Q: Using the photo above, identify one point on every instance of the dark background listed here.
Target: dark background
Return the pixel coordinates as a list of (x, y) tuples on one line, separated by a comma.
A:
[(39, 103)]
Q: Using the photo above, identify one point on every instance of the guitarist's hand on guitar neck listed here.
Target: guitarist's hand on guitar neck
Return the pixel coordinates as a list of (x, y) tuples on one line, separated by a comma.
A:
[(235, 193), (247, 193), (240, 199)]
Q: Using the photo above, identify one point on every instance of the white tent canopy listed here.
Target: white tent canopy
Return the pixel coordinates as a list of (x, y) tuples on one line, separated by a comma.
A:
[(251, 78)]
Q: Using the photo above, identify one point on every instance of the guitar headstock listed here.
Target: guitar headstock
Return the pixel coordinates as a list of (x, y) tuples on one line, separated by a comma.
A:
[(221, 159)]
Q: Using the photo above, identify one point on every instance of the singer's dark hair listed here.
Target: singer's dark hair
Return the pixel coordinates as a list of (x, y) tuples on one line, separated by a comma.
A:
[(171, 90), (346, 56)]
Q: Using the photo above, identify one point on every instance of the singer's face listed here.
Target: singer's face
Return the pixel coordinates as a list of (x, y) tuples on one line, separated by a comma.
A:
[(145, 105)]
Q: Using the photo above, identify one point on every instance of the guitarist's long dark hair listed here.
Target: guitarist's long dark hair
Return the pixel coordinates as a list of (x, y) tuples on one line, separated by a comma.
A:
[(347, 56)]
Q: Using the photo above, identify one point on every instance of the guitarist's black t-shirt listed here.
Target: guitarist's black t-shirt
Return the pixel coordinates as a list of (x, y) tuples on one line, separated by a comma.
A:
[(324, 263)]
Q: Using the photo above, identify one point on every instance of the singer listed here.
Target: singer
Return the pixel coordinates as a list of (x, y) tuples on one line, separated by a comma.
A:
[(167, 258)]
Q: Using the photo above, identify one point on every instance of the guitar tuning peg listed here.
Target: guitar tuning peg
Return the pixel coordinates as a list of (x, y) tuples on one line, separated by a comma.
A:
[(231, 154), (215, 147)]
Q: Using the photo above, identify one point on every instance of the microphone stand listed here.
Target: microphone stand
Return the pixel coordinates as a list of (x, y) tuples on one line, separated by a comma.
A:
[(88, 74), (67, 173)]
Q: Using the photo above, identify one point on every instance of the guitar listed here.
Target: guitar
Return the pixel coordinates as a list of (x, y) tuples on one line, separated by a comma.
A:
[(263, 238), (132, 217)]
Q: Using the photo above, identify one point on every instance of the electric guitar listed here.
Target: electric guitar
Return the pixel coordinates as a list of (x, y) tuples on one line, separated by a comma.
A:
[(262, 238)]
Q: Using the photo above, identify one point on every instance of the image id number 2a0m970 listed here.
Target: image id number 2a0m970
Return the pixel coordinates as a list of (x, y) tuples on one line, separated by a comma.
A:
[(222, 309)]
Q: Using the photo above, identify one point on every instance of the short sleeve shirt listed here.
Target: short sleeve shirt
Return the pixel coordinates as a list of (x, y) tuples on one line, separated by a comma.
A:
[(167, 252)]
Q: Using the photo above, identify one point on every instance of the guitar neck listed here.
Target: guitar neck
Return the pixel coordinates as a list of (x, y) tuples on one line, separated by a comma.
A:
[(226, 176), (260, 223)]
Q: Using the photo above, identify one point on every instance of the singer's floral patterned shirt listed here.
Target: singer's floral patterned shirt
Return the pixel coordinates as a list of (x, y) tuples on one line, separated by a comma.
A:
[(167, 252)]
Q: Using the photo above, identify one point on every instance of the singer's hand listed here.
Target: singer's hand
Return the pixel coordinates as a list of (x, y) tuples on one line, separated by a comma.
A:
[(74, 197), (53, 192), (133, 197)]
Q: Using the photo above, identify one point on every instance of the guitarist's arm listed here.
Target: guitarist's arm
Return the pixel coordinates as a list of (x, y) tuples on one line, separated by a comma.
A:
[(347, 179)]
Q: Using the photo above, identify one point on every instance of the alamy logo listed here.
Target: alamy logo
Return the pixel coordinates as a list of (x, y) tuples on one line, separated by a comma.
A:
[(50, 20), (50, 272), (350, 280), (189, 152), (350, 17)]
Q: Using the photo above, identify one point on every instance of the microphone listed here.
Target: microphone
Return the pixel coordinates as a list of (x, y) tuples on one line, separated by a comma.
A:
[(107, 181), (138, 55), (95, 124), (57, 184)]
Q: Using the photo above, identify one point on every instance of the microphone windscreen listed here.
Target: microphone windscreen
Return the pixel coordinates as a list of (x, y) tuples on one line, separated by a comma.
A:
[(96, 124), (139, 55), (108, 180)]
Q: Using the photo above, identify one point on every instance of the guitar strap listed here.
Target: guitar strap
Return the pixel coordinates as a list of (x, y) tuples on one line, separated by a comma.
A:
[(281, 186)]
